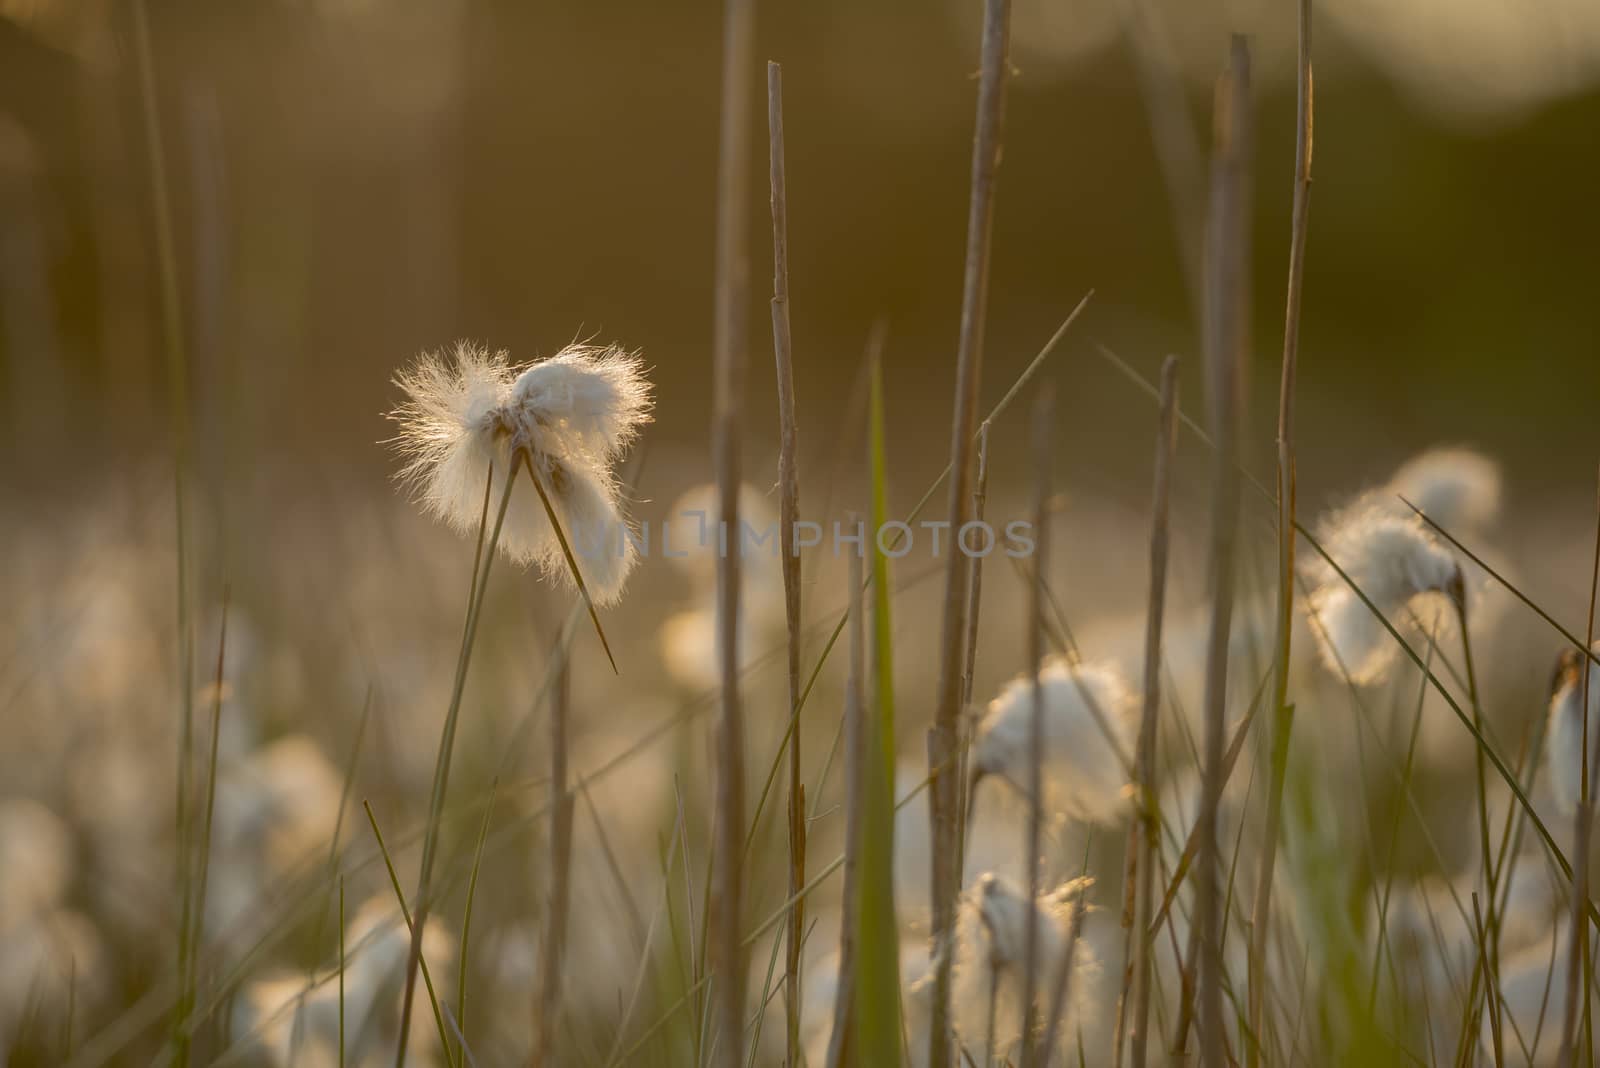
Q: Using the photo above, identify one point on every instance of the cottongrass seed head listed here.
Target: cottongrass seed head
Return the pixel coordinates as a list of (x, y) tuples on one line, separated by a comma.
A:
[(988, 971), (1563, 739), (471, 412), (1457, 488), (1090, 723), (1394, 560)]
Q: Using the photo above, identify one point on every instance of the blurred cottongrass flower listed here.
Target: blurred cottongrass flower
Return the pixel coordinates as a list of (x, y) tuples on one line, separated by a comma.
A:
[(1563, 739), (1089, 732), (468, 415), (990, 950), (1394, 560), (1457, 488)]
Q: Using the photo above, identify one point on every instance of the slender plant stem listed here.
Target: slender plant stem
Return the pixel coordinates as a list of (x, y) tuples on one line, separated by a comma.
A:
[(1226, 347), (1148, 815), (341, 971), (196, 937), (1061, 987), (178, 402), (788, 513), (730, 344), (1584, 822), (943, 738), (441, 769), (1283, 712), (1043, 425), (462, 971), (553, 945), (980, 498), (839, 1044)]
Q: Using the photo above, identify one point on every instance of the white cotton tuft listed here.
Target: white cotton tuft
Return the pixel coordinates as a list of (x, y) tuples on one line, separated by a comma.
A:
[(449, 429), (989, 968), (1393, 560), (586, 400), (1457, 488), (470, 419), (1090, 726), (1563, 738)]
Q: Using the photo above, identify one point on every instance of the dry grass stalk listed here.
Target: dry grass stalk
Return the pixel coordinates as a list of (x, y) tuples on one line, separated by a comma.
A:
[(944, 805), (1584, 824), (1283, 712), (1043, 425), (554, 942), (1146, 847), (730, 343), (855, 742), (788, 513), (980, 499), (1226, 346)]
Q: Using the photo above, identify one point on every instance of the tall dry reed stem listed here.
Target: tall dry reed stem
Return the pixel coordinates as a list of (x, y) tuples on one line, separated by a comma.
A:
[(980, 499), (788, 513), (1146, 847), (1583, 828), (943, 739), (553, 944), (855, 757), (730, 344), (1043, 426), (1227, 344), (1283, 712)]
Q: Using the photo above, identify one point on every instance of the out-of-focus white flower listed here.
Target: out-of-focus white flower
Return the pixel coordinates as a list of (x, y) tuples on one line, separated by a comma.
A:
[(36, 861), (988, 970), (283, 799), (45, 964), (1563, 739), (469, 415), (291, 1019), (691, 538), (1457, 488), (1394, 560), (1089, 732)]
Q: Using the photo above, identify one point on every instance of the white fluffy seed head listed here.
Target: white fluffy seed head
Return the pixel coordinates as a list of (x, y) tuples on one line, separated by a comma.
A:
[(1455, 487), (1563, 738), (469, 417), (1394, 560), (990, 961), (586, 400), (1090, 724)]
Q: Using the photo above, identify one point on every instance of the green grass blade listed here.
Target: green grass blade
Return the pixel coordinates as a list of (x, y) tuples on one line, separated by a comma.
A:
[(466, 918), (405, 913), (877, 993)]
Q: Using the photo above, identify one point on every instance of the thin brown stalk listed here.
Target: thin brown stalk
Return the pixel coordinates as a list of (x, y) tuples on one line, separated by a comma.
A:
[(980, 500), (855, 757), (788, 513), (1580, 855), (526, 459), (553, 943), (1226, 347), (1043, 425), (1283, 712), (1146, 848), (943, 739), (730, 346)]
